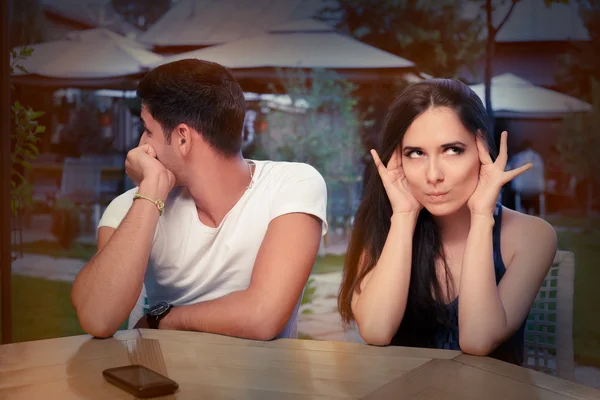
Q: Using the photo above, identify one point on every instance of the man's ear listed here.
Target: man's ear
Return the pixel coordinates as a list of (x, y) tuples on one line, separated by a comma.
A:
[(183, 138)]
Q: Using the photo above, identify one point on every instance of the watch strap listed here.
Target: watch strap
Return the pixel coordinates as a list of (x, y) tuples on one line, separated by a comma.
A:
[(153, 319)]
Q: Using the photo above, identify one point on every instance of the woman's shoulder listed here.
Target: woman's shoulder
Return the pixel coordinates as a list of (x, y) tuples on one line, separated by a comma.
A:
[(522, 232), (519, 223)]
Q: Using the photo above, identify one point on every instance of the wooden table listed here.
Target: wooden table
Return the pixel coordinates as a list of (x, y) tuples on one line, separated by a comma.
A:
[(218, 367)]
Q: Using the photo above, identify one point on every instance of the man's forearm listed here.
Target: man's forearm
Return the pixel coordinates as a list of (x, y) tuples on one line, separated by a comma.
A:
[(107, 288), (237, 314)]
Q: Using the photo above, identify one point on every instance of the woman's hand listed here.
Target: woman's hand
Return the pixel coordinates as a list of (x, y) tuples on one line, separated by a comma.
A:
[(396, 186), (492, 177)]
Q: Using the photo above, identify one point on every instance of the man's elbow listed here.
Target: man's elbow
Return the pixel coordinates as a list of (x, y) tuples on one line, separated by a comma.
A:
[(264, 334), (96, 329), (92, 324), (269, 321), (267, 328)]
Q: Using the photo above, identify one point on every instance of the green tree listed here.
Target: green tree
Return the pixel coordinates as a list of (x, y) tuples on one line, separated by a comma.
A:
[(26, 23), (24, 137), (431, 33), (582, 61), (83, 134), (320, 127), (487, 10), (323, 131), (578, 146)]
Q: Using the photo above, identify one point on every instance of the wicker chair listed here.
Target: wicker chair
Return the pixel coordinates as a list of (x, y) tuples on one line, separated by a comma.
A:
[(549, 329)]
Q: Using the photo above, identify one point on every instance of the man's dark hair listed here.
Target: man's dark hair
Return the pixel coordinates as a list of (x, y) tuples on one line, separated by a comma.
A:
[(201, 94)]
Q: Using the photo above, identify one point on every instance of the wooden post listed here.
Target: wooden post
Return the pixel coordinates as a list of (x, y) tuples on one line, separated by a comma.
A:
[(5, 234)]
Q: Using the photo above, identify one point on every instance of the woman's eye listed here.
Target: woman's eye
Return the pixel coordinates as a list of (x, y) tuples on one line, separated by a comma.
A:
[(415, 154), (455, 150)]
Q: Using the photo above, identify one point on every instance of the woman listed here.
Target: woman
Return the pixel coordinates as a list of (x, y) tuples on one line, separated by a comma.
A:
[(434, 260)]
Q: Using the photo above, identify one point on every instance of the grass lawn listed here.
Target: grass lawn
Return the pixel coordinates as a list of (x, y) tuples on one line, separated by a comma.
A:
[(42, 309), (586, 318), (328, 263)]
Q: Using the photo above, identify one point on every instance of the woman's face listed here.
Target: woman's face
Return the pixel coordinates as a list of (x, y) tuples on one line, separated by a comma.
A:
[(440, 160)]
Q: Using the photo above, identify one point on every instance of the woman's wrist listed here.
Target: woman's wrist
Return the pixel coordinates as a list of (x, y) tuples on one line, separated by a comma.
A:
[(405, 218), (483, 220)]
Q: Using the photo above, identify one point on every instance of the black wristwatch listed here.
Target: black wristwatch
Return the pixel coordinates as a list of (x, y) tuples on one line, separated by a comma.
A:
[(156, 313)]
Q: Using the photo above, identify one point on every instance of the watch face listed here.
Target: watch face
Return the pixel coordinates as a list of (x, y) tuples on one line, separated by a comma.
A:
[(158, 309)]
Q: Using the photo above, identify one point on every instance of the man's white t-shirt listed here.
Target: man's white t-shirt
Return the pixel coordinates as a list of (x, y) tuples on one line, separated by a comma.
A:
[(191, 262)]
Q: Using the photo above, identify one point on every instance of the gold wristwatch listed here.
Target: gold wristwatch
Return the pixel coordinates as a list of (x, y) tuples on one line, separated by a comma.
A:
[(159, 203)]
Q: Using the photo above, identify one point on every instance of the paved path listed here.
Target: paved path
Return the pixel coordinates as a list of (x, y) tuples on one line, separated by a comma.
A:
[(55, 269), (320, 319)]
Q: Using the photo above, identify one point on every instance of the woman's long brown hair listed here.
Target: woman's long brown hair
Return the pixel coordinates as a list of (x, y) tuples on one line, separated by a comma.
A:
[(372, 220)]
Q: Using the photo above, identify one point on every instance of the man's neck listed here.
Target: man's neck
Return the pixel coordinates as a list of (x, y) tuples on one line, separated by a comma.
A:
[(217, 186)]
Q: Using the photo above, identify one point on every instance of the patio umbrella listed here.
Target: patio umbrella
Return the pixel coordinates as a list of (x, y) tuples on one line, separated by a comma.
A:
[(192, 24), (305, 43), (96, 56), (89, 13), (514, 96)]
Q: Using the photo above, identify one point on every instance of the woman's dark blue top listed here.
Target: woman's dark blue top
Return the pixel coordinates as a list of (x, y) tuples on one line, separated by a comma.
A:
[(446, 337)]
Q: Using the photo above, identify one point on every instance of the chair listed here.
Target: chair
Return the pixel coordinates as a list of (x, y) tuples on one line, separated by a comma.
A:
[(81, 183), (542, 204), (549, 327)]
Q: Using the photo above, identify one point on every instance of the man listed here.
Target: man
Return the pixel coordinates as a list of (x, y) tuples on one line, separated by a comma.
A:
[(529, 187), (222, 244)]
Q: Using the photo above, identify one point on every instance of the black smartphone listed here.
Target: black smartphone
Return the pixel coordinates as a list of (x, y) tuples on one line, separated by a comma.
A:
[(140, 381)]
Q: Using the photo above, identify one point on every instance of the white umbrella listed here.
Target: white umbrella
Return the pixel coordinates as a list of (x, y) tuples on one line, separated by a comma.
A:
[(89, 54), (105, 34), (517, 96), (199, 23), (279, 101), (306, 43), (92, 13)]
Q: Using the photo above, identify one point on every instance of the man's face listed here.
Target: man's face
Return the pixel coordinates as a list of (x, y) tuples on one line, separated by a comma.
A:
[(154, 136)]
